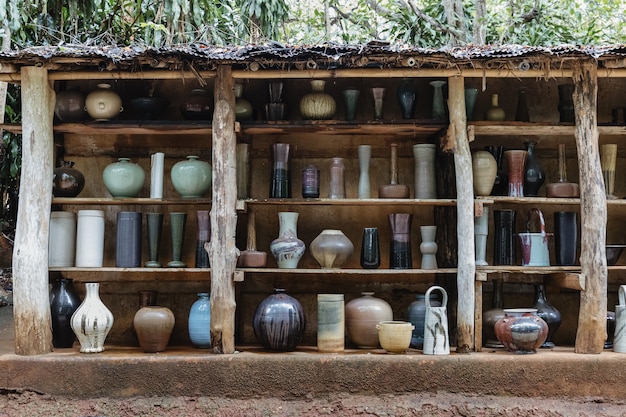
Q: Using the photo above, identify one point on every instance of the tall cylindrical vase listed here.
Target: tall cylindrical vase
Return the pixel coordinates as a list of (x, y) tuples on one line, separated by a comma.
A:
[(280, 184), (608, 161), (243, 170), (154, 223), (90, 238), (425, 182), (428, 247), (337, 183), (400, 249), (516, 160), (62, 239), (92, 320), (203, 236), (439, 105), (503, 237), (378, 97), (370, 248), (128, 240), (331, 323), (351, 99), (565, 237), (177, 228), (365, 154), (481, 230)]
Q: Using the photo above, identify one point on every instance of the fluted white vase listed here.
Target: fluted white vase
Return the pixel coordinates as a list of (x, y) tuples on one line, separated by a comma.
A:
[(92, 320)]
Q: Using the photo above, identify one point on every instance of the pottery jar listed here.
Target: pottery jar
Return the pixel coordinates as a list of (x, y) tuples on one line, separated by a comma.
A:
[(331, 323), (70, 105), (199, 323), (103, 103), (548, 313), (287, 249), (395, 336), (191, 178), (92, 320), (89, 239), (331, 248), (484, 170), (123, 178), (521, 330), (495, 113), (279, 322), (67, 181), (362, 316), (243, 108), (416, 314), (62, 239), (197, 105), (63, 303), (154, 325), (317, 105)]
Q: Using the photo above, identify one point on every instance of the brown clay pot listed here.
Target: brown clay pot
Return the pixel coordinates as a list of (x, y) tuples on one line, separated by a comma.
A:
[(154, 325)]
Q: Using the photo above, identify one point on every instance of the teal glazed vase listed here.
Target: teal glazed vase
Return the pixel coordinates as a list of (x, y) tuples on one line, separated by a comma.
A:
[(199, 323), (123, 178), (191, 178), (407, 98)]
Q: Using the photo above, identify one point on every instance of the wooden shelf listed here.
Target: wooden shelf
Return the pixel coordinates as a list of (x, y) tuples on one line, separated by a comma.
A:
[(485, 128), (413, 128), (108, 274), (340, 271), (103, 201), (353, 202)]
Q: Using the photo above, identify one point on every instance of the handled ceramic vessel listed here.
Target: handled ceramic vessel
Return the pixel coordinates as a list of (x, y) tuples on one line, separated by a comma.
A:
[(436, 340), (619, 341)]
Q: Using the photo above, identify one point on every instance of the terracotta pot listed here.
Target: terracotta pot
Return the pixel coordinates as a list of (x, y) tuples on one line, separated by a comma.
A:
[(317, 105), (362, 316), (521, 330), (103, 103), (154, 325), (395, 336), (331, 248)]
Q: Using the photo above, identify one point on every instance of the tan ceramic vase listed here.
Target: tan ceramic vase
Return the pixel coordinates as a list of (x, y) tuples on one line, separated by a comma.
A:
[(484, 169), (331, 248), (317, 105), (154, 325), (362, 316), (103, 103)]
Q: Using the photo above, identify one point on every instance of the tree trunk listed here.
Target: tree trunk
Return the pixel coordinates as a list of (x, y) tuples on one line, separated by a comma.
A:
[(465, 213), (222, 250), (454, 12), (33, 333), (480, 28), (593, 213)]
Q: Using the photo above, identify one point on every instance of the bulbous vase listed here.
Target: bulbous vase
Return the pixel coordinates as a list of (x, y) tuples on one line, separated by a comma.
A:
[(362, 316), (279, 322), (92, 321), (287, 249), (191, 178), (154, 325), (317, 105), (103, 103), (521, 331), (70, 105), (63, 303), (416, 314), (485, 170), (67, 181), (200, 321), (197, 105), (123, 178), (331, 248)]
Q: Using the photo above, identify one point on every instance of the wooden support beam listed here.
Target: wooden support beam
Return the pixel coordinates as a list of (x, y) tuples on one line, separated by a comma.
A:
[(591, 332), (465, 212), (570, 280), (31, 302), (478, 315), (222, 250)]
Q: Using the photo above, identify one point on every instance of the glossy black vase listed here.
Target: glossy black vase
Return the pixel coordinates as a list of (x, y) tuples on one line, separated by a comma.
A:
[(63, 303), (501, 183), (534, 175), (370, 248), (279, 322), (548, 313), (565, 237), (503, 240)]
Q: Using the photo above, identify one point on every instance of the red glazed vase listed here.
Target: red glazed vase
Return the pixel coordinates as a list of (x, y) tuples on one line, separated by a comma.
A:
[(521, 330)]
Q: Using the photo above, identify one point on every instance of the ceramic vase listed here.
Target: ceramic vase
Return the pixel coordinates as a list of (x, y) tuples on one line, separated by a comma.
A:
[(548, 313), (521, 111), (516, 161), (351, 100), (416, 314), (495, 113), (287, 249), (191, 178), (150, 108), (243, 108), (370, 248), (521, 331), (364, 153), (610, 329), (566, 103), (484, 170), (395, 336), (154, 223), (103, 103), (400, 248), (565, 237), (243, 170), (123, 178), (197, 105), (534, 245), (503, 237), (491, 316), (436, 339), (199, 323), (63, 303), (407, 98), (70, 105), (337, 182), (470, 102), (310, 181), (428, 247), (67, 181), (378, 98), (331, 249), (439, 105), (279, 322), (481, 231), (128, 239), (317, 105), (425, 179), (89, 239), (331, 323), (501, 183), (92, 320), (177, 231), (362, 316), (608, 162), (62, 239), (203, 236), (534, 175), (154, 325), (280, 183)]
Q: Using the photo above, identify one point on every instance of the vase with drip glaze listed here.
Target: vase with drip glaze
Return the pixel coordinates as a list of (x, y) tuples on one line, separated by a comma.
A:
[(362, 316), (280, 182), (400, 256), (63, 303), (534, 175), (548, 313), (287, 249), (92, 320), (331, 248), (67, 181), (317, 105), (516, 161), (199, 323), (279, 322)]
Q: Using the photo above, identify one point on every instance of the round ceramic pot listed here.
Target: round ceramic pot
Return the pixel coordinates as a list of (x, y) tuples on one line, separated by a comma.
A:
[(154, 325), (103, 103), (362, 316), (123, 178), (395, 336), (484, 169), (197, 105), (317, 105), (243, 108), (150, 107), (191, 178), (67, 181), (331, 248), (521, 330), (200, 321), (70, 105), (279, 322)]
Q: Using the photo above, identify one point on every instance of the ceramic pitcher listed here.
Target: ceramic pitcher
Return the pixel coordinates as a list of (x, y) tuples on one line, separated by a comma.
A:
[(535, 245), (436, 340), (619, 341)]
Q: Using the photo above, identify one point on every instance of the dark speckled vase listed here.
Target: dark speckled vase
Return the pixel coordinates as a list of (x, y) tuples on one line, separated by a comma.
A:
[(279, 322)]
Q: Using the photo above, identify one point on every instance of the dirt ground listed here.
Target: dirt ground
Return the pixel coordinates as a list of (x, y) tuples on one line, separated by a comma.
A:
[(29, 404)]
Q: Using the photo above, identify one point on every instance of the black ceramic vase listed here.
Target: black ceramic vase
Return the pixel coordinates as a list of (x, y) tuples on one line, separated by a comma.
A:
[(63, 303), (504, 233), (407, 98), (548, 313), (67, 181), (370, 248), (501, 183), (565, 237), (534, 175), (279, 322)]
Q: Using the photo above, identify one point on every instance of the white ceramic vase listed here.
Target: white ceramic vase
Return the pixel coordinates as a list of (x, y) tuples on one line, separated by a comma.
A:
[(92, 320)]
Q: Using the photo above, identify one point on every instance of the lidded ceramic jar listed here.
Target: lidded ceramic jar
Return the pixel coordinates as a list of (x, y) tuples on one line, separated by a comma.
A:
[(317, 105), (103, 103), (70, 105), (331, 248), (362, 316), (197, 105), (154, 325), (67, 181), (279, 322), (123, 178), (191, 178)]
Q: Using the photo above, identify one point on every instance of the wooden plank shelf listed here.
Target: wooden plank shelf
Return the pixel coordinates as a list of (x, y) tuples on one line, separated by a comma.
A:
[(104, 201), (110, 274), (413, 128), (487, 128), (354, 202)]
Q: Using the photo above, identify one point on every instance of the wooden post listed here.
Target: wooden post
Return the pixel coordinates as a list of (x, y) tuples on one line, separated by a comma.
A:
[(222, 250), (591, 332), (31, 302), (465, 215)]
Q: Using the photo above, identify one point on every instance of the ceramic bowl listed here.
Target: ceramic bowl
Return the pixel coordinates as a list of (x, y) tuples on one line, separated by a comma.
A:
[(395, 336), (613, 252), (150, 107)]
